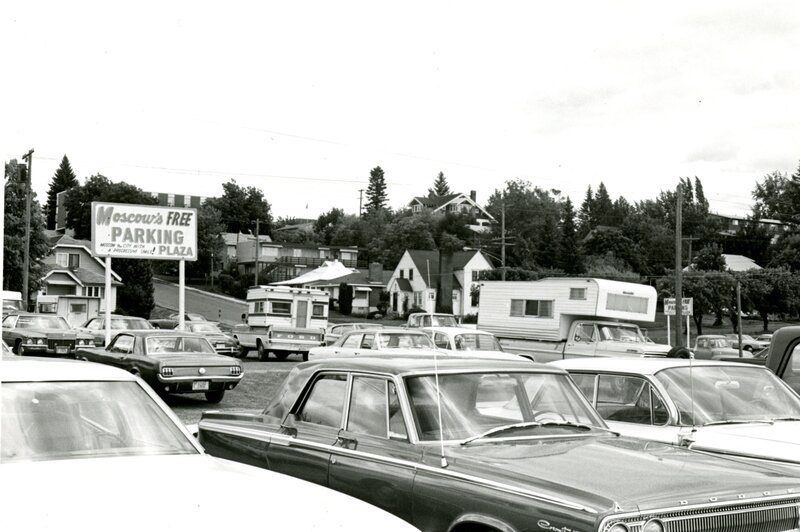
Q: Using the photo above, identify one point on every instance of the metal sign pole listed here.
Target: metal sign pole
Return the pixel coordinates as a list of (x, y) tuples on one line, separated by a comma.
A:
[(108, 300), (669, 332), (181, 293)]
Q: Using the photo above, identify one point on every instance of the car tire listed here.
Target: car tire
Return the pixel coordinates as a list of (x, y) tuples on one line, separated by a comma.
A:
[(20, 350), (748, 348), (305, 356), (280, 355), (215, 396), (679, 352), (263, 354)]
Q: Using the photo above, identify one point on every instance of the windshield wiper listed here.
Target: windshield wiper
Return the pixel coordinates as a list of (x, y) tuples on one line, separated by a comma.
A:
[(502, 428), (787, 418), (738, 422)]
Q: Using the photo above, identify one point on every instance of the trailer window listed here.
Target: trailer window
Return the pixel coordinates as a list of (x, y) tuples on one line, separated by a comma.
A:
[(626, 303), (281, 307), (577, 294), (532, 307), (318, 310)]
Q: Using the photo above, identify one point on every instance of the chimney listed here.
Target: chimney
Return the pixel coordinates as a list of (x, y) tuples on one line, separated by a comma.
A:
[(473, 195), (375, 273)]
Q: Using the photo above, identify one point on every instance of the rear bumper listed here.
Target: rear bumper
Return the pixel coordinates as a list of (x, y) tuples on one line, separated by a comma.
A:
[(294, 346), (186, 384)]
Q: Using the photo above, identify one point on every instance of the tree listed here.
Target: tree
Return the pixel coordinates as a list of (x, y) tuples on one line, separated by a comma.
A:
[(570, 256), (376, 190), (603, 208), (345, 299), (710, 259), (135, 296), (16, 175), (241, 207), (778, 197), (210, 243), (64, 179), (770, 291), (326, 224), (586, 218), (440, 186)]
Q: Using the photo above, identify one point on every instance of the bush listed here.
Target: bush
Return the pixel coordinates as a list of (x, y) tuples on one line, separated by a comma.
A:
[(411, 311), (345, 299), (469, 318)]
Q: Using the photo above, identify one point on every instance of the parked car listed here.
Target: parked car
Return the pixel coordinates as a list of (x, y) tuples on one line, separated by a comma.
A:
[(42, 334), (82, 441), (748, 342), (518, 448), (468, 342), (334, 332), (431, 319), (713, 346), (386, 340), (171, 362), (171, 321), (764, 338), (224, 344), (722, 407), (97, 326)]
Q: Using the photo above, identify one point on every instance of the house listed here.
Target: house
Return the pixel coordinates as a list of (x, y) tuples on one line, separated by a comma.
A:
[(415, 281), (73, 271), (458, 203), (281, 261)]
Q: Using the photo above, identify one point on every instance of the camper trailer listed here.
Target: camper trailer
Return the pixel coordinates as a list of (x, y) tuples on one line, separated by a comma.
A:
[(282, 320), (12, 301), (557, 318)]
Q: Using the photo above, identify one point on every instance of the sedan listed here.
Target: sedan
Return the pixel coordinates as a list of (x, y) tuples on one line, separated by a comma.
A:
[(171, 362), (722, 407), (469, 342), (43, 335), (464, 444), (223, 343), (388, 341), (713, 347), (92, 448), (334, 332), (97, 326), (748, 342), (172, 320)]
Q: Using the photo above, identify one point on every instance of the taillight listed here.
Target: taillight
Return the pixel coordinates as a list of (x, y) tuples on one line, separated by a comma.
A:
[(236, 370), (167, 372)]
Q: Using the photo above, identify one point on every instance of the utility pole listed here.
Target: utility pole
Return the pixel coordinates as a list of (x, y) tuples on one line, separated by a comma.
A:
[(678, 269), (360, 193), (258, 245), (503, 238), (27, 251)]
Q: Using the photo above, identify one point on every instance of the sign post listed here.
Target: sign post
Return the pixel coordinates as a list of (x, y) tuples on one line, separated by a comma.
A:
[(129, 231), (686, 310)]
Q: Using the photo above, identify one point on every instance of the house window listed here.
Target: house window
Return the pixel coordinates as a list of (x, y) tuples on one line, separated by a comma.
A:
[(402, 274), (411, 274), (626, 303), (475, 275), (416, 208), (283, 308), (531, 308), (94, 291), (68, 260), (418, 299), (577, 294)]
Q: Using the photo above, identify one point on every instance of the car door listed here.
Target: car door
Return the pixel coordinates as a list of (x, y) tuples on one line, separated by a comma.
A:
[(302, 447), (372, 458), (702, 350), (350, 344), (583, 341), (629, 404), (119, 352)]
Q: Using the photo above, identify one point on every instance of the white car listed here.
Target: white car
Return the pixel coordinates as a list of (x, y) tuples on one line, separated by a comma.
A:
[(471, 342), (380, 341), (90, 447), (723, 407)]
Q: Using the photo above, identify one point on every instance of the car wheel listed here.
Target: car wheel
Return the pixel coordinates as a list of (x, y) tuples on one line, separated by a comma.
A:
[(20, 350), (305, 356), (748, 348), (263, 354), (215, 397), (679, 352), (281, 355)]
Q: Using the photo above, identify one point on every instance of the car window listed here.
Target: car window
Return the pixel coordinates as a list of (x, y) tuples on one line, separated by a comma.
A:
[(325, 403), (441, 341), (585, 332), (368, 341), (123, 343), (352, 340), (629, 399), (586, 382), (368, 413), (94, 324), (177, 344), (476, 342), (9, 321)]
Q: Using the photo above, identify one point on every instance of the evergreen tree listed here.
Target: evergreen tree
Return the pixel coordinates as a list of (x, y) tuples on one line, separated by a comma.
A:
[(602, 207), (571, 259), (586, 220), (376, 190), (64, 179), (440, 187)]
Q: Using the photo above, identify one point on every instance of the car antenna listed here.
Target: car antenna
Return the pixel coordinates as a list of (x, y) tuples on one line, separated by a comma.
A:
[(439, 403)]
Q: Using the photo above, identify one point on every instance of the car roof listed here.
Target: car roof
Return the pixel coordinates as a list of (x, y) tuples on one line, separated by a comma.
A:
[(18, 313), (35, 369), (160, 333), (456, 330), (425, 363), (387, 330), (640, 366), (118, 316), (710, 336)]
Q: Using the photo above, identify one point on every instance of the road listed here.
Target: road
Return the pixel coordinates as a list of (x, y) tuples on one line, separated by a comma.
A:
[(214, 307)]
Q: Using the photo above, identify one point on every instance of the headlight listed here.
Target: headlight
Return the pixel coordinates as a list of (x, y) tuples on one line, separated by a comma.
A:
[(619, 527), (40, 341), (653, 525), (167, 372)]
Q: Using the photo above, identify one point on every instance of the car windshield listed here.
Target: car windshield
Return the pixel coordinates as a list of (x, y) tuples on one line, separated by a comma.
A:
[(621, 333), (728, 393), (204, 328), (400, 340), (177, 344), (719, 342), (474, 403), (476, 342), (62, 420), (130, 323), (42, 322)]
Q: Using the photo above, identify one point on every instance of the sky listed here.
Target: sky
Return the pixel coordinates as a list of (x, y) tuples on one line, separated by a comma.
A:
[(303, 99)]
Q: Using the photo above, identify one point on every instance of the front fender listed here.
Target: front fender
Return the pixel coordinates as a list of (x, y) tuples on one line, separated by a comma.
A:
[(486, 520)]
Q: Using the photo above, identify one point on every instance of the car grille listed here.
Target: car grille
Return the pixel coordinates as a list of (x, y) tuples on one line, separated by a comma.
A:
[(778, 516), (52, 344)]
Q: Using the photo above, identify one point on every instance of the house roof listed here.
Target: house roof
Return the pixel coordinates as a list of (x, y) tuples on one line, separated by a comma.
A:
[(330, 269), (65, 241), (427, 263), (736, 263), (404, 285), (83, 275), (434, 202)]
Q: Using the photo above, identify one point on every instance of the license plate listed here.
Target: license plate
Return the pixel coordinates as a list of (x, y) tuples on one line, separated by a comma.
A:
[(62, 349), (220, 346), (200, 385)]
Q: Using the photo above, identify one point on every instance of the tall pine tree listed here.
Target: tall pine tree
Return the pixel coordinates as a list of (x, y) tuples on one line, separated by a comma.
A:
[(440, 187), (376, 190), (64, 179), (571, 258)]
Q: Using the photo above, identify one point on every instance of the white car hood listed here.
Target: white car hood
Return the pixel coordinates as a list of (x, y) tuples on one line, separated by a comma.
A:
[(185, 492), (777, 441)]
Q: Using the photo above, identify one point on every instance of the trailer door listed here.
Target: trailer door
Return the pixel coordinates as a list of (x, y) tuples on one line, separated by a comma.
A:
[(301, 318)]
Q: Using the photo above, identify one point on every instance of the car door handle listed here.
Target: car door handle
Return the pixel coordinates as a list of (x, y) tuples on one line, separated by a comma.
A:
[(347, 443)]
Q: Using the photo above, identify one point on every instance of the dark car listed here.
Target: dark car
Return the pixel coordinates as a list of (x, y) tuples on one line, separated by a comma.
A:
[(224, 344), (491, 445), (43, 335), (97, 326), (171, 321), (171, 362)]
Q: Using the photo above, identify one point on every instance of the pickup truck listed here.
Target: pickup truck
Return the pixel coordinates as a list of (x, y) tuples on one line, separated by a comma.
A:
[(782, 356)]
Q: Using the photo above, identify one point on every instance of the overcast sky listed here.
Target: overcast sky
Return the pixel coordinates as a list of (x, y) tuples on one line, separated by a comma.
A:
[(303, 99)]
